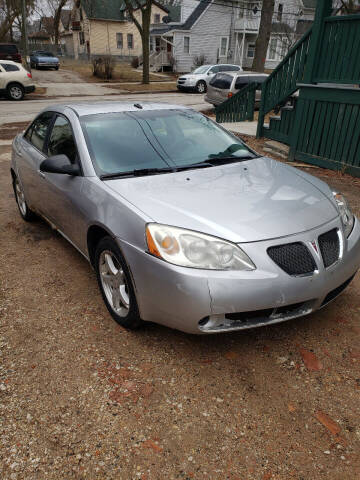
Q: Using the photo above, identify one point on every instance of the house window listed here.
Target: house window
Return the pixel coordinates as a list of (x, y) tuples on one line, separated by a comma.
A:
[(223, 46), (251, 50), (272, 49), (157, 18), (81, 38), (119, 41), (130, 41), (280, 12), (186, 44)]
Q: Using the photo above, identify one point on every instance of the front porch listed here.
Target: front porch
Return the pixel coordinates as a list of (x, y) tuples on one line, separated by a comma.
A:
[(161, 52)]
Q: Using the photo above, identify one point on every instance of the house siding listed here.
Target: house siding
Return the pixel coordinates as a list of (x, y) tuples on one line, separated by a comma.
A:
[(205, 36), (101, 35)]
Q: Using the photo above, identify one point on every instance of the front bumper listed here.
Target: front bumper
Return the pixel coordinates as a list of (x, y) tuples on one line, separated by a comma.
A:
[(44, 64), (203, 301), (186, 84)]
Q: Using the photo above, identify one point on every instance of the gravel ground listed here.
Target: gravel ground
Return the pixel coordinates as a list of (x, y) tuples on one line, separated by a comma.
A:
[(80, 397)]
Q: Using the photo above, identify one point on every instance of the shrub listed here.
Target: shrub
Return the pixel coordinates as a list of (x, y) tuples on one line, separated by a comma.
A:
[(199, 60), (103, 67), (135, 62)]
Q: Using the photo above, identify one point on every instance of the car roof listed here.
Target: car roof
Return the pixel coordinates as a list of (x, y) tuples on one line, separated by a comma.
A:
[(82, 109), (10, 61)]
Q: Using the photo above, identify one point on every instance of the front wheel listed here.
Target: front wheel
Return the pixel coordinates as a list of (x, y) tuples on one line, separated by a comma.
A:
[(201, 87), (56, 68), (15, 91), (25, 212), (116, 285)]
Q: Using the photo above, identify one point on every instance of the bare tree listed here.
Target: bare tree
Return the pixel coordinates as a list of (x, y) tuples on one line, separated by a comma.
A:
[(57, 17), (10, 17), (262, 41), (143, 26), (350, 6)]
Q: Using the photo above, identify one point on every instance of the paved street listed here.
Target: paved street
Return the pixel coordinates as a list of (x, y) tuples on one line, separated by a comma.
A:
[(27, 109)]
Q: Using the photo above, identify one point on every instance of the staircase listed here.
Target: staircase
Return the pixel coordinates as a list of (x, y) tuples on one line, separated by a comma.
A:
[(278, 92)]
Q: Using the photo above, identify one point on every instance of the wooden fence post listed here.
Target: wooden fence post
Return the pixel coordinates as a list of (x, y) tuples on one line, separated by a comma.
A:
[(323, 10)]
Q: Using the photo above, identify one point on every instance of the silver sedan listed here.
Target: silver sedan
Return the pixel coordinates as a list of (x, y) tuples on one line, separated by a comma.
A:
[(183, 223)]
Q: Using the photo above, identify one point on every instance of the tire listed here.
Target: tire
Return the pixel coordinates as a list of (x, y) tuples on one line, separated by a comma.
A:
[(116, 288), (26, 213), (56, 68), (200, 87), (15, 91)]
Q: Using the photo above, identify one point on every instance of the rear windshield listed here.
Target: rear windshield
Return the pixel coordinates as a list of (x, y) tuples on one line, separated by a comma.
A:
[(11, 49), (221, 80), (120, 142)]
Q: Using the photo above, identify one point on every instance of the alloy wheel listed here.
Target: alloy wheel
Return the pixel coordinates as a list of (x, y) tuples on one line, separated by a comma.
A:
[(114, 283), (20, 198), (16, 92)]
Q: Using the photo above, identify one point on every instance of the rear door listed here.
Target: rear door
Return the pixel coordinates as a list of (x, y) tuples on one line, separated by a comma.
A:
[(220, 87), (2, 78)]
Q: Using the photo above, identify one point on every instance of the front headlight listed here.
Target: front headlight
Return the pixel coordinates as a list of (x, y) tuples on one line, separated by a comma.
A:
[(187, 248), (346, 215)]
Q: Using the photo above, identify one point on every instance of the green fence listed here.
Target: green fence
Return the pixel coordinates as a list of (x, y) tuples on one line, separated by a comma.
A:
[(240, 107), (327, 131)]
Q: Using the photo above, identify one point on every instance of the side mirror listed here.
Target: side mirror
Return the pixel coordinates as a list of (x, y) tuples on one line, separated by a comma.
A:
[(59, 164)]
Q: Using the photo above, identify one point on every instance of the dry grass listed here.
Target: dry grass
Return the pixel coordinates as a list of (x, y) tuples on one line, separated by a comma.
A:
[(123, 72), (151, 87)]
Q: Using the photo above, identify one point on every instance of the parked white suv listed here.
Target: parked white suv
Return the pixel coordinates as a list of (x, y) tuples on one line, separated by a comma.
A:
[(15, 81), (199, 79)]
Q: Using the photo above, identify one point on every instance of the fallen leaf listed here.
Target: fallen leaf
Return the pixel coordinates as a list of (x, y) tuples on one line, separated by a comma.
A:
[(312, 363), (154, 446), (231, 355), (328, 422), (291, 408)]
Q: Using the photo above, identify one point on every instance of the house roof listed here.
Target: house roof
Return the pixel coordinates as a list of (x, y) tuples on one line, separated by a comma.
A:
[(187, 25), (45, 28), (309, 3), (108, 9)]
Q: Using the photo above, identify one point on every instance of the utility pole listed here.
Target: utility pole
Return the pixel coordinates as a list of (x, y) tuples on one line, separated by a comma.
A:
[(24, 35)]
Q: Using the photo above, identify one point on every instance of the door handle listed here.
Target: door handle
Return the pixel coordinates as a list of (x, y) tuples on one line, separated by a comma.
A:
[(42, 174)]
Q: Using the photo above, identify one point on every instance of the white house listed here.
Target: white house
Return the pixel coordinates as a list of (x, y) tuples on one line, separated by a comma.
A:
[(225, 31)]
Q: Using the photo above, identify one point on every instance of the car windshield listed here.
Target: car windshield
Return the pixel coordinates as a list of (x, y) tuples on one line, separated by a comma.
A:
[(44, 54), (124, 142), (202, 69)]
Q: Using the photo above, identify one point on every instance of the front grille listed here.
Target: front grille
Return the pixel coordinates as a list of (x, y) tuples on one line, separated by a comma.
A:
[(293, 258), (334, 293), (329, 247)]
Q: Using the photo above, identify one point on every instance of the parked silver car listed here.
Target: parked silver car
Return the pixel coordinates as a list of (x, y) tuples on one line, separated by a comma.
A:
[(224, 85), (199, 79), (183, 223)]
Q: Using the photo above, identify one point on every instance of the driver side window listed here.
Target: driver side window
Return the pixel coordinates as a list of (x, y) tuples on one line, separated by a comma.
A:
[(214, 69), (61, 141)]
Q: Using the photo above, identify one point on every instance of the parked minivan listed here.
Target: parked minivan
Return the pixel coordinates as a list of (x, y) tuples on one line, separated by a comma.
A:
[(225, 85), (9, 51), (199, 79)]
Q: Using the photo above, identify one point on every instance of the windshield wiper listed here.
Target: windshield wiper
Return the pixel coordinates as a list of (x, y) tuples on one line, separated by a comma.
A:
[(222, 160), (142, 172)]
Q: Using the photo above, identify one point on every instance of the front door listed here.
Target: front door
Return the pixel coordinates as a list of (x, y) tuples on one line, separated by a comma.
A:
[(63, 192), (29, 152)]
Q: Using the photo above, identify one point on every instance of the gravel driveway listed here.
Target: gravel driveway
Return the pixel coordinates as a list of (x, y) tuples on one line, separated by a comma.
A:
[(45, 75), (80, 397)]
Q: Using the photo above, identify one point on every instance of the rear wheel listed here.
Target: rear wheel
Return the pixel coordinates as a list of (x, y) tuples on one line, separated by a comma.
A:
[(15, 91), (56, 68), (116, 285), (27, 214), (200, 87)]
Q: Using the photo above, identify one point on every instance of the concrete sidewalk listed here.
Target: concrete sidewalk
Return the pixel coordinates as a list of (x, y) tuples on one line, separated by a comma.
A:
[(245, 128)]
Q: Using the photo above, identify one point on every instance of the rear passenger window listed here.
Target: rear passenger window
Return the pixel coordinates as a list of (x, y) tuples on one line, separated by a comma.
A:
[(37, 131), (241, 82), (229, 68), (9, 67), (221, 80)]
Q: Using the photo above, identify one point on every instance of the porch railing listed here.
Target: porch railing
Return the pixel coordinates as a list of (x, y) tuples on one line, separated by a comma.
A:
[(239, 107)]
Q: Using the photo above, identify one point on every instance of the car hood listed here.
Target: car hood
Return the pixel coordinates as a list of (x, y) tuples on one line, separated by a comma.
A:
[(249, 201)]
